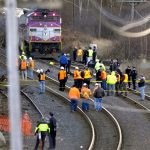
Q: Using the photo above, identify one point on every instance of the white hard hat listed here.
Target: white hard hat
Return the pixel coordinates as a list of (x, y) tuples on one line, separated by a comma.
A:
[(62, 67), (38, 71), (41, 70), (77, 68), (25, 58), (30, 58), (84, 84), (97, 60), (96, 84)]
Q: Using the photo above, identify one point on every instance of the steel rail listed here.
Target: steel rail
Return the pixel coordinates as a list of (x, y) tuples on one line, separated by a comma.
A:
[(109, 114)]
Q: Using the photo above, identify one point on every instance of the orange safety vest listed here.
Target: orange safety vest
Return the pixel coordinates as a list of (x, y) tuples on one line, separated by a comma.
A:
[(62, 74), (31, 64), (74, 93), (103, 75), (42, 77), (75, 74), (87, 74), (125, 78), (79, 75), (23, 65), (118, 77)]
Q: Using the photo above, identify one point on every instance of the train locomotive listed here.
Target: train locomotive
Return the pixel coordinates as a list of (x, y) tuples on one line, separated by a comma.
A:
[(41, 35)]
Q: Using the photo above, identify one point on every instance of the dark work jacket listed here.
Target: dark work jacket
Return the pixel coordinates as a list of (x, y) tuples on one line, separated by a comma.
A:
[(128, 72), (141, 83), (52, 124), (99, 93), (134, 74)]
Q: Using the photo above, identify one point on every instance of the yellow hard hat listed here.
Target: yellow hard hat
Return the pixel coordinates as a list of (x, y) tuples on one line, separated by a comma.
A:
[(51, 63)]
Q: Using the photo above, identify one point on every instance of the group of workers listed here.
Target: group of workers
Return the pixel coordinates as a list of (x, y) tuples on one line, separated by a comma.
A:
[(84, 55), (26, 66), (46, 128)]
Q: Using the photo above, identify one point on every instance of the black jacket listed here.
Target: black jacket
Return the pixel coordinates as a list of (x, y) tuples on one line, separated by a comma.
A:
[(99, 93)]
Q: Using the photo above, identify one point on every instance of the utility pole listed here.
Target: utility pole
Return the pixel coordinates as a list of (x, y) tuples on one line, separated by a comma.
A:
[(73, 14), (100, 19), (13, 77)]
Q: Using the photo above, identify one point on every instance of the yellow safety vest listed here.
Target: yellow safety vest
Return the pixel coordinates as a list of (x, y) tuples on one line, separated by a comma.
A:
[(90, 52), (79, 52), (87, 74), (125, 78)]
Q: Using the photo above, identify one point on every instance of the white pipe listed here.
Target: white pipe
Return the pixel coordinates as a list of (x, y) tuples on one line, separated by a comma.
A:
[(13, 77)]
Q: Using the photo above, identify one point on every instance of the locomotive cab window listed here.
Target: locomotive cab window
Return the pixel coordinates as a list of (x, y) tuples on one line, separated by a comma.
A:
[(33, 30), (57, 30)]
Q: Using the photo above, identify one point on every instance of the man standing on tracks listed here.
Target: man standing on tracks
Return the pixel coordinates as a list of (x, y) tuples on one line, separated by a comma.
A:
[(141, 85), (124, 82), (23, 68), (79, 55), (98, 93), (87, 76), (134, 77), (31, 67), (41, 129), (75, 54), (52, 135), (128, 72), (62, 77), (103, 77), (90, 55), (63, 61), (41, 76), (85, 92), (111, 81), (74, 96)]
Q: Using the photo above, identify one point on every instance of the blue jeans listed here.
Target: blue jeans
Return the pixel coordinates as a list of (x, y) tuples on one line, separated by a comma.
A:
[(98, 103), (30, 71), (85, 105), (73, 104), (142, 92), (103, 84), (24, 74), (42, 86), (111, 89)]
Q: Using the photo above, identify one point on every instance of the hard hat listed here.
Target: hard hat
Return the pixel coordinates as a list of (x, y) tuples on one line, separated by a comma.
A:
[(96, 84), (65, 54), (97, 60), (41, 70), (25, 58), (51, 63), (62, 67), (30, 58), (38, 71), (23, 53), (77, 68), (84, 84)]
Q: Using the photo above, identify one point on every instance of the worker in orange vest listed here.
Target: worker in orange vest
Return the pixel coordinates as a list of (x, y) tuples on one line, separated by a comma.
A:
[(103, 77), (41, 76), (75, 74), (87, 76), (85, 92), (23, 68), (74, 96), (30, 67), (62, 77), (79, 79)]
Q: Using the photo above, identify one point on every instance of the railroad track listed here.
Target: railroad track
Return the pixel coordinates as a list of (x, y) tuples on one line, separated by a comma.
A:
[(77, 120), (105, 124)]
